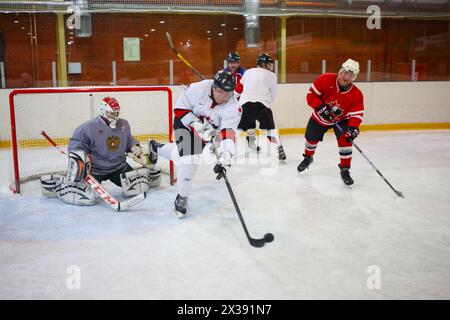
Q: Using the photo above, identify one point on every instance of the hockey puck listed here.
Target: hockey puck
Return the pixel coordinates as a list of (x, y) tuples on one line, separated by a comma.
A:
[(268, 237)]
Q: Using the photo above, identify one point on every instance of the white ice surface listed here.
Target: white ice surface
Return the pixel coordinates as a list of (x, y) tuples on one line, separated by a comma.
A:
[(326, 234)]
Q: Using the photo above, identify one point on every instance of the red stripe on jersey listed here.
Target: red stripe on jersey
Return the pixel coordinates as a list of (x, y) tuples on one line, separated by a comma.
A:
[(180, 113), (227, 134)]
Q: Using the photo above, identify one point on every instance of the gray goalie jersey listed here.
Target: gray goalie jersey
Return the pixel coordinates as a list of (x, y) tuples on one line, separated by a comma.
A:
[(106, 145)]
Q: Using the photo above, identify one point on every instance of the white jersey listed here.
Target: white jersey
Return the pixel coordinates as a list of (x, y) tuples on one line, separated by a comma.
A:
[(197, 98), (260, 85)]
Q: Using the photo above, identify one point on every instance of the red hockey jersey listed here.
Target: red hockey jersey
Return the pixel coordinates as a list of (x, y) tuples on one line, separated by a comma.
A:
[(239, 88), (325, 89)]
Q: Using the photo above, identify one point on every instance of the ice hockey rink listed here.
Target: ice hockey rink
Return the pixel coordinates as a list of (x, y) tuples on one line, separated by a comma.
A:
[(330, 240)]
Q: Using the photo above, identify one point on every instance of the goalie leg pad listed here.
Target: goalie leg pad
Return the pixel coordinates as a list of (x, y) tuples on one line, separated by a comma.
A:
[(76, 193), (140, 180), (49, 184), (134, 182), (79, 166), (154, 175)]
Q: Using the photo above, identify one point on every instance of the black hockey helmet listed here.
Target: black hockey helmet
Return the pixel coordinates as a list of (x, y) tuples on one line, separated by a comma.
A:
[(264, 58), (225, 80), (233, 57)]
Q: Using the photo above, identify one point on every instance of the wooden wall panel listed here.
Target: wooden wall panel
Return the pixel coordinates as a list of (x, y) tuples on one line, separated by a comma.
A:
[(204, 40), (390, 49), (27, 59)]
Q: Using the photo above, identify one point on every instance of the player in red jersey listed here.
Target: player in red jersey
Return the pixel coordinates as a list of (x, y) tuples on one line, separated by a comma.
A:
[(337, 103), (234, 65)]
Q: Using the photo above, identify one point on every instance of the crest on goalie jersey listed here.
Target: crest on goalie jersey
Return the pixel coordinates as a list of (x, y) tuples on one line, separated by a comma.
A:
[(113, 143)]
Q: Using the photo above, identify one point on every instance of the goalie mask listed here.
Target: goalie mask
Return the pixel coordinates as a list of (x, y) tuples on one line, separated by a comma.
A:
[(109, 110)]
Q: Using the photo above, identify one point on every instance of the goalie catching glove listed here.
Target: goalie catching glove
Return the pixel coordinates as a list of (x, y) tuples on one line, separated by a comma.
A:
[(139, 155)]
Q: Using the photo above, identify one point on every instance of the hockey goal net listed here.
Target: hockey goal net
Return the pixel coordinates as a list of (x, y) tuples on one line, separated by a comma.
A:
[(58, 111)]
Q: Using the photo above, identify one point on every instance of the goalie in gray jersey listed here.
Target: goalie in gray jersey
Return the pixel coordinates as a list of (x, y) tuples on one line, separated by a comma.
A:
[(100, 147)]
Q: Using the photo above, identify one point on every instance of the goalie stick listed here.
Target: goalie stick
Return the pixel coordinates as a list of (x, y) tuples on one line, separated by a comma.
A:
[(268, 237), (102, 192)]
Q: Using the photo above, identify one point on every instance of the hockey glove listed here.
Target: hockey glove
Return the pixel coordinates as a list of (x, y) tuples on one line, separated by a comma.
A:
[(351, 133), (136, 149), (223, 163), (204, 129), (139, 155), (336, 111), (325, 112)]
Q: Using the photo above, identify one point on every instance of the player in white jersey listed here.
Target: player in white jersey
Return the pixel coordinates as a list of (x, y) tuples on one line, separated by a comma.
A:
[(260, 87), (204, 109)]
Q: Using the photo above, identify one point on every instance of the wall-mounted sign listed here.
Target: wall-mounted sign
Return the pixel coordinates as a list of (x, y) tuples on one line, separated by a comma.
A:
[(131, 49), (74, 67)]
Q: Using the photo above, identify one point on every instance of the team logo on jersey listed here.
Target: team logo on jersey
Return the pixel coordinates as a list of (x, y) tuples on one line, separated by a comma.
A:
[(335, 106), (113, 143), (123, 129)]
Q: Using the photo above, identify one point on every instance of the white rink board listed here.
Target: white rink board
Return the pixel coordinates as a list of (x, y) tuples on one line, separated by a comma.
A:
[(385, 102)]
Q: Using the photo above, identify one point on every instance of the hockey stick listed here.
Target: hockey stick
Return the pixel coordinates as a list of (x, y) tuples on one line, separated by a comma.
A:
[(258, 243), (268, 237), (102, 192), (373, 166), (169, 38)]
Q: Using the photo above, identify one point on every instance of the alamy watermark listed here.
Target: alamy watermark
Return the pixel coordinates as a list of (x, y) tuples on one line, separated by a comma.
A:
[(74, 20), (374, 280), (267, 160), (374, 20), (73, 282)]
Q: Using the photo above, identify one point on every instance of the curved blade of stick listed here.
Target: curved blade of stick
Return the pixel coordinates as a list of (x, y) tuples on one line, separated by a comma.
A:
[(257, 243), (124, 205)]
